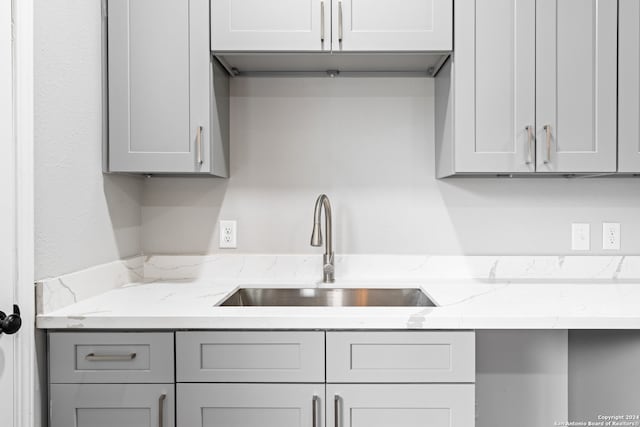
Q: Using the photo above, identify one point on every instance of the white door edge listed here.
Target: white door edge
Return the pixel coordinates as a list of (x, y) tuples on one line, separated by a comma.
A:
[(24, 367)]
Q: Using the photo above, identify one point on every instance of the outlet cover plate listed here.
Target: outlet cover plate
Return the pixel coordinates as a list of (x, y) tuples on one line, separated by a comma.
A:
[(611, 236), (580, 237), (228, 234)]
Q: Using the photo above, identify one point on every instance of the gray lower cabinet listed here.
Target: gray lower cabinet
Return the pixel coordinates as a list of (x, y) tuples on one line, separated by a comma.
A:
[(109, 405), (168, 99), (251, 405), (262, 379), (629, 84), (106, 379), (401, 405), (530, 89)]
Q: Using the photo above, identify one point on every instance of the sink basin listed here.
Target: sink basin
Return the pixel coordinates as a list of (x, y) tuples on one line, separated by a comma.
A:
[(327, 297)]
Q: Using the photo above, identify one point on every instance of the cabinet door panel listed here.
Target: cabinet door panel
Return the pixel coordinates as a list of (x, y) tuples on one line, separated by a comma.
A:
[(494, 73), (576, 85), (276, 25), (250, 405), (399, 25), (248, 356), (107, 405), (152, 44), (406, 405), (119, 357), (400, 357), (629, 84)]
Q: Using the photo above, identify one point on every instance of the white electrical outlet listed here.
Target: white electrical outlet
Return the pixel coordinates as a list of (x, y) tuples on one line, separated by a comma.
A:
[(228, 230), (580, 237), (611, 236)]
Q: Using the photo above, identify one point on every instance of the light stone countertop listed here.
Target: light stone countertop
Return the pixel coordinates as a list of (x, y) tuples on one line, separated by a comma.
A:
[(462, 304)]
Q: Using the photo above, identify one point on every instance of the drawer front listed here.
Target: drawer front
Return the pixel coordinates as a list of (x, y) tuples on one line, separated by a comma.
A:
[(250, 356), (78, 357), (405, 357)]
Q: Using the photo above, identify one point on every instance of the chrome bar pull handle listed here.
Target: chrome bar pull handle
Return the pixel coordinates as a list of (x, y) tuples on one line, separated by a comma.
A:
[(92, 357), (161, 400), (336, 411), (340, 21), (315, 412), (322, 21), (529, 130), (547, 159), (199, 145)]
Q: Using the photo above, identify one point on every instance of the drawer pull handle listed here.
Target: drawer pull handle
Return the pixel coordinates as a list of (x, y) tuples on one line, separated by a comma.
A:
[(336, 410), (315, 412), (161, 400), (92, 357)]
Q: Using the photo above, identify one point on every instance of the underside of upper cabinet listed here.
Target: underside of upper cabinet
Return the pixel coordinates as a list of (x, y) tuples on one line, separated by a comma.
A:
[(531, 89)]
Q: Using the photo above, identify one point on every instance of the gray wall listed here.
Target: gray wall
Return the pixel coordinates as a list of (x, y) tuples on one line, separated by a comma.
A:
[(82, 218), (369, 144)]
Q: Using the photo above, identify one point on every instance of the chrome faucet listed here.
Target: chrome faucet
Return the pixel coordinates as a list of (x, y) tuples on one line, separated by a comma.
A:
[(328, 267)]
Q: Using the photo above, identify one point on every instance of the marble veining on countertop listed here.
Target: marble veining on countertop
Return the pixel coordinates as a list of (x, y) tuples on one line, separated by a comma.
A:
[(183, 292)]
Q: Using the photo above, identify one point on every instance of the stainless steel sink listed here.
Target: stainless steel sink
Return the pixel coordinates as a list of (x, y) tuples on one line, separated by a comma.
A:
[(328, 297)]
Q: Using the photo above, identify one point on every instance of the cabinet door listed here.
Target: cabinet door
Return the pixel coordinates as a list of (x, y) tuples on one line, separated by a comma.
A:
[(405, 405), (275, 25), (396, 25), (629, 87), (576, 56), (108, 405), (158, 78), (251, 405), (494, 79)]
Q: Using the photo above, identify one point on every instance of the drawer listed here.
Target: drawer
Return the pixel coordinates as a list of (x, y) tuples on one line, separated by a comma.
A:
[(246, 356), (79, 357), (401, 357)]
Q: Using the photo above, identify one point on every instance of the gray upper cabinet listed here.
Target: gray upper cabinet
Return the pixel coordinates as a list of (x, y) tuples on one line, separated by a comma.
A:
[(629, 83), (168, 99), (325, 25), (531, 88), (275, 25), (576, 78), (494, 73), (392, 25)]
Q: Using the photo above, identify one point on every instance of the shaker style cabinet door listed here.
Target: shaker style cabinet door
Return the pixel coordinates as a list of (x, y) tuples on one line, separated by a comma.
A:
[(629, 86), (159, 85), (576, 85), (251, 405), (109, 405), (392, 25), (274, 25), (406, 405), (494, 74)]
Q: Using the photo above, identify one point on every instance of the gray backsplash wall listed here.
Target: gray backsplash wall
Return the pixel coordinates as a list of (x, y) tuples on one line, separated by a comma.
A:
[(82, 217), (369, 144)]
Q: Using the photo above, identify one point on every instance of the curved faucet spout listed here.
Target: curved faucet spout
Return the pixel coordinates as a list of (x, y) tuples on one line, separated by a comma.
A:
[(322, 203)]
